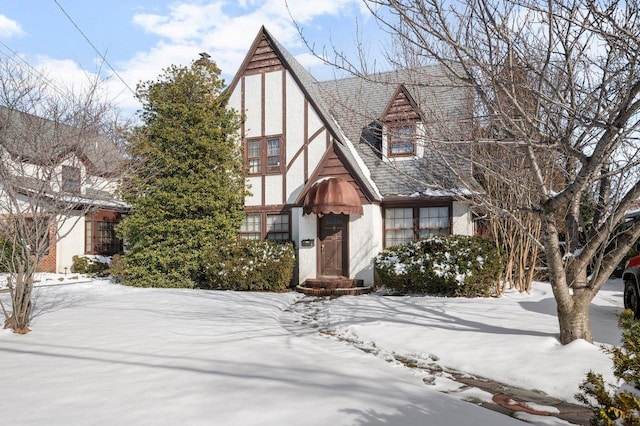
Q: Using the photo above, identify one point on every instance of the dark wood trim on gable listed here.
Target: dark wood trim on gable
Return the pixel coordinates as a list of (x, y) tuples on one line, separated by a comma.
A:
[(284, 135), (401, 107), (304, 147), (261, 58), (332, 165), (243, 128)]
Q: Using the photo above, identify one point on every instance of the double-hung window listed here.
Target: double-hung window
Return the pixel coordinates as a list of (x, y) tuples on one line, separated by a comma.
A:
[(406, 224), (401, 140), (264, 155)]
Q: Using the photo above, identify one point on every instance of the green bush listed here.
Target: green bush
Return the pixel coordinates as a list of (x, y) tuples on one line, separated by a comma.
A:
[(88, 265), (250, 265), (612, 405), (116, 267), (449, 265)]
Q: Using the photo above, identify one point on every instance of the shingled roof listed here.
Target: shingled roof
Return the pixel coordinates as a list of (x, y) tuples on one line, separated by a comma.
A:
[(443, 103), (351, 109), (41, 141)]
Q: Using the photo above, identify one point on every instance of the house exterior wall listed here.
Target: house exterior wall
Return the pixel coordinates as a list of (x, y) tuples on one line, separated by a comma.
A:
[(365, 241), (462, 221), (276, 98), (71, 242), (305, 227)]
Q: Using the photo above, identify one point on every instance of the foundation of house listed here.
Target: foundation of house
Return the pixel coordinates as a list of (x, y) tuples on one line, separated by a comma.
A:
[(333, 287)]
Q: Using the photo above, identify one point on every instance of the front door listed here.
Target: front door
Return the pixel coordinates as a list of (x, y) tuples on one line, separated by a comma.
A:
[(333, 245)]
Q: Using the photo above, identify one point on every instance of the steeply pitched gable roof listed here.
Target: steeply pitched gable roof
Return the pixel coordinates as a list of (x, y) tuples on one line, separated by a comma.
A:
[(362, 104), (311, 89), (352, 108), (41, 141)]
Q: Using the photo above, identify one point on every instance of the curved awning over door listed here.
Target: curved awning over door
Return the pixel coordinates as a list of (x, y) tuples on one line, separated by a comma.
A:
[(332, 195)]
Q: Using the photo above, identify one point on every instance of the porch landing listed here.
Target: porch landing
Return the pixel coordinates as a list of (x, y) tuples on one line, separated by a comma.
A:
[(338, 286)]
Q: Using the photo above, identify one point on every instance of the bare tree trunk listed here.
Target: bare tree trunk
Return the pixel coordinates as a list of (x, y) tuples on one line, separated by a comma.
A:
[(574, 323)]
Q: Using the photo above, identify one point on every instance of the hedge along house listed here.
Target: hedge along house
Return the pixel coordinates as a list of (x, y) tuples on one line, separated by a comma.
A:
[(342, 168), (54, 170)]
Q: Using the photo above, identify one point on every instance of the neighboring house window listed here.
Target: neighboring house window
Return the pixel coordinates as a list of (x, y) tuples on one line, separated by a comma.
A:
[(100, 234), (260, 226), (70, 179), (264, 156), (406, 224), (401, 140)]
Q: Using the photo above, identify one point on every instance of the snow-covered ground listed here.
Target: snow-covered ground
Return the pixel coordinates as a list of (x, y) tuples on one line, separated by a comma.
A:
[(105, 354)]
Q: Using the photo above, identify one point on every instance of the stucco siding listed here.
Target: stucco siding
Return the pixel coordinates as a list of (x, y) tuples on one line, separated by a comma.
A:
[(273, 104), (365, 242), (71, 243), (253, 106), (255, 188), (273, 190), (305, 228), (462, 219)]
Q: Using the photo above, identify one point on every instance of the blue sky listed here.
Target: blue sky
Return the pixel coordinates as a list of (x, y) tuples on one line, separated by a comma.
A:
[(141, 37)]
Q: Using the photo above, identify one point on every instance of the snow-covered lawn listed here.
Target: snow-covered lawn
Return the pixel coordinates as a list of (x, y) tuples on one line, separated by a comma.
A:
[(105, 354)]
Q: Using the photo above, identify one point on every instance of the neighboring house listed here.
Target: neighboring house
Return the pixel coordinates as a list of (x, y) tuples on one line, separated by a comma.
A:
[(345, 168), (68, 172)]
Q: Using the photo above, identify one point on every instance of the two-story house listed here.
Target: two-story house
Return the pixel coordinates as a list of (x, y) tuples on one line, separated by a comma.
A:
[(348, 167), (50, 169)]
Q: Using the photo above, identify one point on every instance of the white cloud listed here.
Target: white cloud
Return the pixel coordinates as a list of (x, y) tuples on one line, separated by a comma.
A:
[(9, 27), (226, 29)]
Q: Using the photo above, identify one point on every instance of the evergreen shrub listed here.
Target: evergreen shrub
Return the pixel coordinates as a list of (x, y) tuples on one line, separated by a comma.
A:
[(89, 265), (116, 267), (450, 265), (250, 265), (613, 405)]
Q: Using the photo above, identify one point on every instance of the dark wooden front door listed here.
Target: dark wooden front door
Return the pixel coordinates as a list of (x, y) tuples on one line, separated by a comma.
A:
[(333, 245)]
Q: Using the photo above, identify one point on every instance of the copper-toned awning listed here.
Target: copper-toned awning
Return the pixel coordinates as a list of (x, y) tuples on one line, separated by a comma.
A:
[(332, 195)]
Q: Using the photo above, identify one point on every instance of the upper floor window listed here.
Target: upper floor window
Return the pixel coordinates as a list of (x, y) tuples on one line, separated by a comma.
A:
[(406, 224), (70, 179), (401, 140), (264, 155)]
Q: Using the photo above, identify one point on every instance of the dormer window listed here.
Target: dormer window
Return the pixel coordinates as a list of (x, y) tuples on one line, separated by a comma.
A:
[(70, 180), (401, 140)]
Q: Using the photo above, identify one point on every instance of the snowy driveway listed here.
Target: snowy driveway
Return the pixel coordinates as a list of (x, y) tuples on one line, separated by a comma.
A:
[(103, 354)]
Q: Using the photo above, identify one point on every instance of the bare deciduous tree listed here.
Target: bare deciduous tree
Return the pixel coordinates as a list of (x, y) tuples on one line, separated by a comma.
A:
[(56, 164), (560, 83)]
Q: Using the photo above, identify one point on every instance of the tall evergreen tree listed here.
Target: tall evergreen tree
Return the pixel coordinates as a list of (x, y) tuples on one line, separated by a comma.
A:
[(187, 190)]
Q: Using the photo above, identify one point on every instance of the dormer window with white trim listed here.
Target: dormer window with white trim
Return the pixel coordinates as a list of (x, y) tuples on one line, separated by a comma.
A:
[(401, 140)]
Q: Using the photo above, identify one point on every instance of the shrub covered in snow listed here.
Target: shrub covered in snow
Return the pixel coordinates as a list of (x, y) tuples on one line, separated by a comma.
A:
[(250, 265), (91, 265), (449, 265)]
